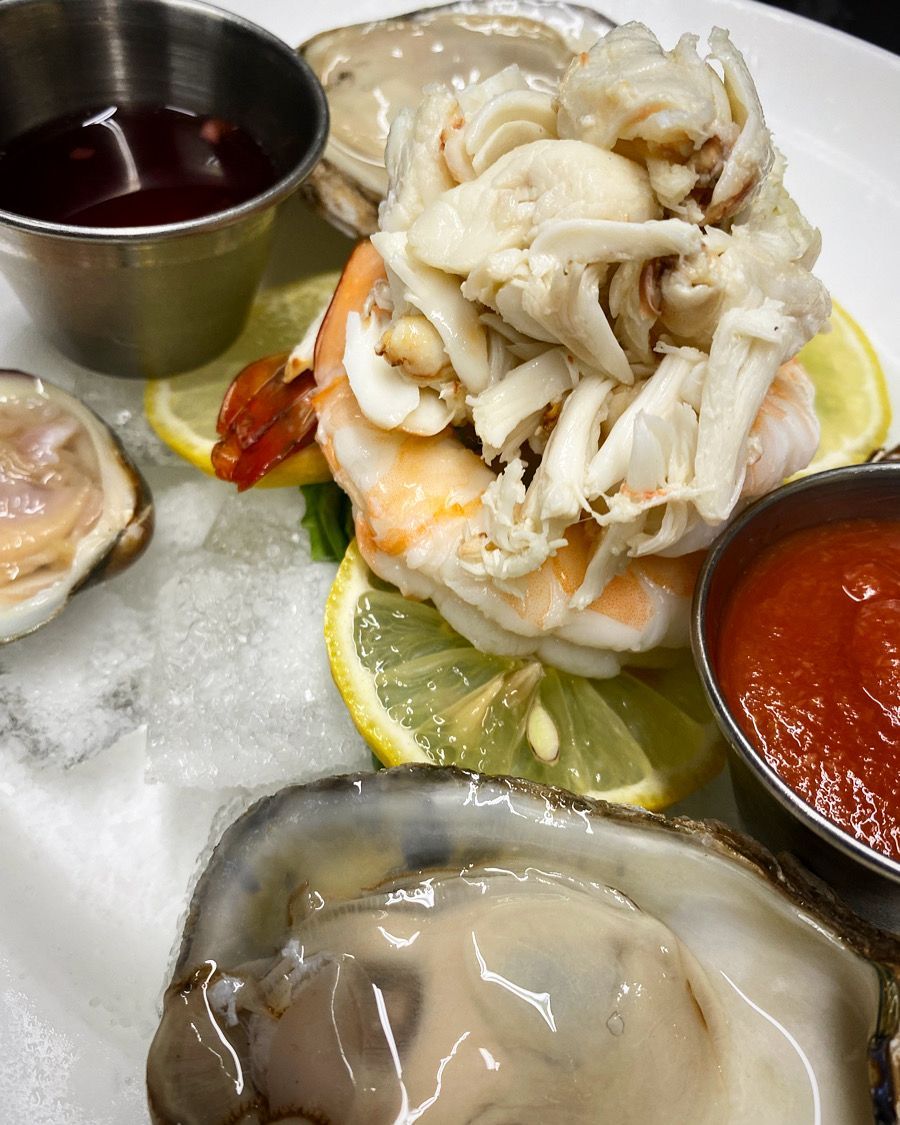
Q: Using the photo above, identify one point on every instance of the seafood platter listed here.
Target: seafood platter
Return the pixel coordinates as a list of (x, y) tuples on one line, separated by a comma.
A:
[(356, 764)]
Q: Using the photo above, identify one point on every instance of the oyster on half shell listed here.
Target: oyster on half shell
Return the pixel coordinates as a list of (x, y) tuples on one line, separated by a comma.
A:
[(424, 943), (371, 71), (73, 508)]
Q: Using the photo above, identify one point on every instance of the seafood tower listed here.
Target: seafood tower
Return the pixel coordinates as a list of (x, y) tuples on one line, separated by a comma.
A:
[(574, 332)]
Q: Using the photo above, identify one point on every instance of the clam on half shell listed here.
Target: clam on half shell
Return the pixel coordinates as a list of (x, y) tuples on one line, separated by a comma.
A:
[(370, 71), (73, 508), (359, 947)]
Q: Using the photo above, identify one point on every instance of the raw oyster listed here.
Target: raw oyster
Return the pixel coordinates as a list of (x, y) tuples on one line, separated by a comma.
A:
[(370, 71), (489, 950), (73, 508)]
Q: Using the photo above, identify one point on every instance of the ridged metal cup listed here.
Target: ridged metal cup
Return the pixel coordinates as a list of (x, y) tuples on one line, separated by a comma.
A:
[(772, 811), (153, 300)]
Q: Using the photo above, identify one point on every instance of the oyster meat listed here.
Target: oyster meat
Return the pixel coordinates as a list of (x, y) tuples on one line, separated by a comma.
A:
[(73, 508), (424, 943), (371, 71)]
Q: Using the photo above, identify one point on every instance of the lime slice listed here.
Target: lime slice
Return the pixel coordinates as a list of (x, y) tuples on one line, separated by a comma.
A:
[(183, 409), (419, 692), (852, 399)]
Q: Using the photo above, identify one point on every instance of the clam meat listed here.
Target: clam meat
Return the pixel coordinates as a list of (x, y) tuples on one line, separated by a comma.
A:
[(371, 71), (72, 506), (428, 944)]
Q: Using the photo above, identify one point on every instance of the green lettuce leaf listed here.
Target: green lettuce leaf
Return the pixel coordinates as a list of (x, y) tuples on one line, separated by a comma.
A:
[(328, 520)]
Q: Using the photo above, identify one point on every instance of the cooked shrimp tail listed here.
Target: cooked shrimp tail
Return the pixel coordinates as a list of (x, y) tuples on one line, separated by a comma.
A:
[(267, 415)]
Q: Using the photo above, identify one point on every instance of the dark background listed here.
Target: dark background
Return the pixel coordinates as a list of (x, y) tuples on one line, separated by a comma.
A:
[(874, 20)]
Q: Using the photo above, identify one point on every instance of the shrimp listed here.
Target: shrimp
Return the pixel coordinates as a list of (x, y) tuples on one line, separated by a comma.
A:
[(418, 502)]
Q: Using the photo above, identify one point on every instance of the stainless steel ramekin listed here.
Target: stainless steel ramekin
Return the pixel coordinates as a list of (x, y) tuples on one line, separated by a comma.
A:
[(151, 301), (773, 812)]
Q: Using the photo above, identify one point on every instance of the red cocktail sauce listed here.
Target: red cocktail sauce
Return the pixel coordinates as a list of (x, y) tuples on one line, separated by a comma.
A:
[(809, 661)]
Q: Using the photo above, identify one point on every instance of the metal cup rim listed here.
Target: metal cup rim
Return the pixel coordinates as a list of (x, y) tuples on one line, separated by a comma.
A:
[(835, 836), (273, 195)]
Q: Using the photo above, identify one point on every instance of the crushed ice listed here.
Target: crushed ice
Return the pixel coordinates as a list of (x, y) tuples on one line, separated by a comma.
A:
[(120, 403), (77, 685), (240, 690), (213, 641)]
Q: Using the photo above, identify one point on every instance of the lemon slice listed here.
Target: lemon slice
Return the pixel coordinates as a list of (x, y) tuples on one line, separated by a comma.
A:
[(852, 399), (419, 692), (183, 409)]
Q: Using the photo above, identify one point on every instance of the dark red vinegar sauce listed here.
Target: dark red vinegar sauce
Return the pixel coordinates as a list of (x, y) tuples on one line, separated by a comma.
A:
[(141, 165), (809, 661)]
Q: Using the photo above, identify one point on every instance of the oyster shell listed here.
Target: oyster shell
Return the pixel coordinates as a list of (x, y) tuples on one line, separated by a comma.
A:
[(491, 950), (73, 508), (370, 71)]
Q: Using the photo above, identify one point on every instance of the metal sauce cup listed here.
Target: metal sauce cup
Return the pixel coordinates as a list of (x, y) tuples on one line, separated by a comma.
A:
[(773, 812), (153, 300)]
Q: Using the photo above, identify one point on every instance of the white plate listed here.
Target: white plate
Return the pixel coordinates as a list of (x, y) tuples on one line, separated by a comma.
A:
[(96, 863)]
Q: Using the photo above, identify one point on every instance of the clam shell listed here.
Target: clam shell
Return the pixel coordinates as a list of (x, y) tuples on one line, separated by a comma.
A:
[(119, 535), (823, 977), (370, 71)]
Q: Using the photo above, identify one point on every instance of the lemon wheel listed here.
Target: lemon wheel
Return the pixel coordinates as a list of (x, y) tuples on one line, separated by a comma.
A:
[(419, 692), (852, 399)]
